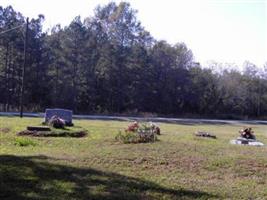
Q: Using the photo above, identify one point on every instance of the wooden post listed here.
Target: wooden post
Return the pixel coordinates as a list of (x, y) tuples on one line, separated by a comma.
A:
[(23, 69)]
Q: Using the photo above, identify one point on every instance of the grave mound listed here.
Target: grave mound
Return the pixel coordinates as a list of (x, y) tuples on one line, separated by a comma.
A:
[(247, 137), (53, 133)]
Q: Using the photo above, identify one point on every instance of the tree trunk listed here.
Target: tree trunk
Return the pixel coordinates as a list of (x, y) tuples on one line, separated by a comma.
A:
[(7, 77)]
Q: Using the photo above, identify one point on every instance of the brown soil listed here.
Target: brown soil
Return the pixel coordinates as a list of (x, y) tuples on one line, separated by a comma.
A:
[(4, 130), (52, 133)]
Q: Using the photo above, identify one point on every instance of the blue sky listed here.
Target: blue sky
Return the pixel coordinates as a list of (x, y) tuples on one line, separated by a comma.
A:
[(222, 30)]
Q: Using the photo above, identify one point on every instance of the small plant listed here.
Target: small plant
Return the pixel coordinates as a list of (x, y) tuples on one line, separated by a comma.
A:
[(23, 142), (139, 133), (127, 137)]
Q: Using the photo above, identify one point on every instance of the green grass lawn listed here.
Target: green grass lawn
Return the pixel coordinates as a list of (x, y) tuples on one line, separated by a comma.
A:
[(178, 166)]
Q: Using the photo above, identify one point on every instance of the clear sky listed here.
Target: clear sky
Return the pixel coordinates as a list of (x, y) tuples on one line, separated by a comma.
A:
[(220, 30)]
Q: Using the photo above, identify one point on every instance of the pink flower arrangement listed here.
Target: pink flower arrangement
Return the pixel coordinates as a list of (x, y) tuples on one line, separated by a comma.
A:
[(133, 127)]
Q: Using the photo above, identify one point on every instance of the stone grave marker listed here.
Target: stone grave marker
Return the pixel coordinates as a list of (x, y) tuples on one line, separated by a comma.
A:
[(64, 114)]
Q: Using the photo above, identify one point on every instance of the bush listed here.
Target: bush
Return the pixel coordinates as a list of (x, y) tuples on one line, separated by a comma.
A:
[(127, 137), (23, 142), (138, 133)]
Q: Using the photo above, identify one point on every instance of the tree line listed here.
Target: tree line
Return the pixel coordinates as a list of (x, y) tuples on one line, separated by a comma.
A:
[(108, 63)]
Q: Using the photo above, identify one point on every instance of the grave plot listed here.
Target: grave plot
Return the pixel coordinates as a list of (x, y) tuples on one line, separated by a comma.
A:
[(138, 132), (57, 122), (247, 137)]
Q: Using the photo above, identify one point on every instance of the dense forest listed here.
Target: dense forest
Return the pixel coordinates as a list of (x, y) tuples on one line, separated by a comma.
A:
[(108, 63)]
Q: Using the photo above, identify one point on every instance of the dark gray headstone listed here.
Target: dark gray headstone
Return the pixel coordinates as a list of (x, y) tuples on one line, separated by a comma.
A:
[(62, 113)]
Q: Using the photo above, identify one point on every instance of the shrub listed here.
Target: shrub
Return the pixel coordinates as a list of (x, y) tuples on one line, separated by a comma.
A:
[(127, 137), (138, 133), (23, 142)]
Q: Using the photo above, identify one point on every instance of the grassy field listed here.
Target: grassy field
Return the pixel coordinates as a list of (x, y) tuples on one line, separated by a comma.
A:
[(178, 166)]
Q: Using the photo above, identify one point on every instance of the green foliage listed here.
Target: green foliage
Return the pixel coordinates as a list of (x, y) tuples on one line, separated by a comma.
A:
[(24, 142), (127, 137)]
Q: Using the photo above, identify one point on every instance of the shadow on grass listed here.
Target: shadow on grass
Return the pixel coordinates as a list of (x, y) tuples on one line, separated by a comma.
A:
[(36, 178)]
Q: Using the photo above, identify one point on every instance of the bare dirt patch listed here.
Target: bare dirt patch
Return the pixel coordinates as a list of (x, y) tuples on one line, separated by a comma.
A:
[(4, 130), (252, 167), (53, 133)]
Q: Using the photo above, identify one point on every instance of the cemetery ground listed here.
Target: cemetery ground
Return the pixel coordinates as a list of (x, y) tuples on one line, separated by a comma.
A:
[(178, 166)]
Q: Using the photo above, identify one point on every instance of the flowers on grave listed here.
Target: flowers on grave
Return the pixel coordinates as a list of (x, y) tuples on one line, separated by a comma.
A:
[(133, 127), (57, 122), (155, 128), (139, 133), (247, 133)]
